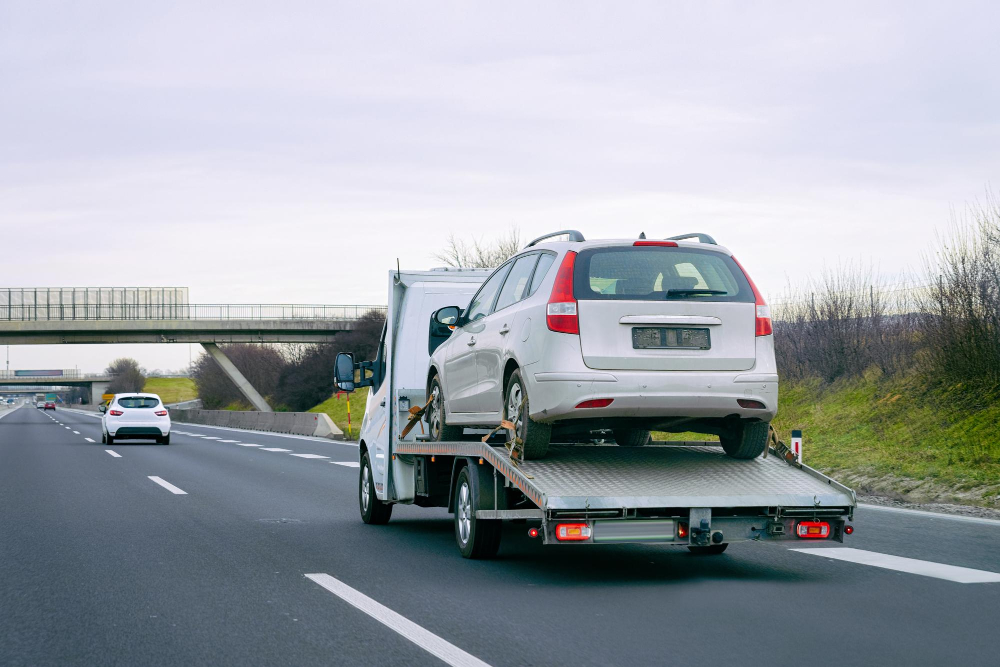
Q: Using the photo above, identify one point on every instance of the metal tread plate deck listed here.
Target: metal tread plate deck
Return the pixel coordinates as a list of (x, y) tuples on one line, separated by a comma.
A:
[(611, 477)]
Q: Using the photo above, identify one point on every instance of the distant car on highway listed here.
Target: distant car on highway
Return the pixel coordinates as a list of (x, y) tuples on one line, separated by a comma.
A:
[(135, 417), (40, 405), (49, 405)]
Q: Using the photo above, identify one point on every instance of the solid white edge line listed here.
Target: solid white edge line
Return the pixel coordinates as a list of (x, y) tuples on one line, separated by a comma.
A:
[(330, 441), (933, 515), (425, 639), (113, 453), (274, 449), (347, 464), (168, 486), (309, 456), (926, 568), (88, 439)]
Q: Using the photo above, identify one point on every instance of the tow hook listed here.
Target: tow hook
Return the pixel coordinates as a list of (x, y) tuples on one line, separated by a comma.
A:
[(701, 535)]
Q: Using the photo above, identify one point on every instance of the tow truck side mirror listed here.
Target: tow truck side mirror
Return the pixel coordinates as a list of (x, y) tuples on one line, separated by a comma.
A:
[(343, 372)]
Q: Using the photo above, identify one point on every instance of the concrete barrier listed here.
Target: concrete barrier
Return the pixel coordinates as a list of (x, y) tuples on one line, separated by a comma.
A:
[(297, 423)]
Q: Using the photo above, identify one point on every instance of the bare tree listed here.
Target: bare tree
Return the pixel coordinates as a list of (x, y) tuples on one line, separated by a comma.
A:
[(478, 253), (126, 376)]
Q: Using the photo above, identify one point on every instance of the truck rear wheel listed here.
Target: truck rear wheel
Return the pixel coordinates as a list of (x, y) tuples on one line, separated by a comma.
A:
[(632, 437), (477, 538), (710, 550), (745, 440), (439, 429), (534, 436), (373, 510)]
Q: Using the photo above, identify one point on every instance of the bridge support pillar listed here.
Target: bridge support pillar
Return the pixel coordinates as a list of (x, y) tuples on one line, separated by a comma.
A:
[(97, 390), (234, 374)]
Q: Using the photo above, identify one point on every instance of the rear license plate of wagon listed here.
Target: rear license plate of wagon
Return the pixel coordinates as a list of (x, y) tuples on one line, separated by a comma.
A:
[(652, 338)]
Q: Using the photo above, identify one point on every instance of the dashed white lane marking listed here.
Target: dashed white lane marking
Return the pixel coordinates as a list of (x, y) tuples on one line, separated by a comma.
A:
[(66, 427), (247, 444), (310, 456), (274, 449), (228, 440), (77, 432), (347, 464), (962, 575), (88, 439), (425, 639), (210, 437), (168, 486), (114, 454)]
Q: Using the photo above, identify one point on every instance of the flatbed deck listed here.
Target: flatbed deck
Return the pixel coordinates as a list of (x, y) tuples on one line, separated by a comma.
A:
[(595, 477)]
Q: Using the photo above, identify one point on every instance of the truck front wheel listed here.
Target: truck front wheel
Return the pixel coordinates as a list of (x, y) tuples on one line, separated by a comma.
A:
[(373, 510), (477, 538), (745, 440)]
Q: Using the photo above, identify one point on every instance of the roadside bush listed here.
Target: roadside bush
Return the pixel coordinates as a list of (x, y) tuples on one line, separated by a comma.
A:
[(308, 381), (126, 376)]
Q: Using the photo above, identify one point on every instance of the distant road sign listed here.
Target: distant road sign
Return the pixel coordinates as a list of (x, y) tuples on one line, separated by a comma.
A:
[(107, 397), (38, 373)]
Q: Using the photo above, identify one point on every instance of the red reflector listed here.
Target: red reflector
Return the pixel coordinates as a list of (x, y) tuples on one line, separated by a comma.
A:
[(596, 403), (560, 313), (532, 532), (572, 532), (747, 403), (848, 530), (813, 530), (682, 530), (160, 413), (664, 244), (115, 413)]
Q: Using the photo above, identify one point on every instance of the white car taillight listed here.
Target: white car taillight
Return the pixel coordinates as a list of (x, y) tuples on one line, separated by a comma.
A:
[(561, 312), (762, 326)]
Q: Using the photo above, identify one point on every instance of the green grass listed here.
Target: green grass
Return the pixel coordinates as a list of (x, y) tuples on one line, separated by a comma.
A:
[(337, 409), (896, 428), (172, 390)]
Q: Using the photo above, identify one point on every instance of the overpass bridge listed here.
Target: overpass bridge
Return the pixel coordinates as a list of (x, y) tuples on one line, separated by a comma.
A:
[(11, 381), (101, 315)]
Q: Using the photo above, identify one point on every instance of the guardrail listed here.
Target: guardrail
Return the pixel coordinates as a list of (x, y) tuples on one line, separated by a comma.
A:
[(153, 311)]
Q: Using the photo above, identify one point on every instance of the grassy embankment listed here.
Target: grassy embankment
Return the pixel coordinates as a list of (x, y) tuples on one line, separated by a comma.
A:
[(337, 409), (899, 437), (172, 390)]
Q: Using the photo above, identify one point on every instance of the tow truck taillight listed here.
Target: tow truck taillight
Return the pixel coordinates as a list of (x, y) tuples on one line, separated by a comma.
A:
[(160, 413), (682, 530), (115, 413), (763, 314), (596, 403), (560, 313), (812, 530), (573, 532)]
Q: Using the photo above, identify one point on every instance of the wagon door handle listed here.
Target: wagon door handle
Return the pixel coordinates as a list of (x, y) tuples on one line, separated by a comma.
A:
[(472, 341), (505, 330)]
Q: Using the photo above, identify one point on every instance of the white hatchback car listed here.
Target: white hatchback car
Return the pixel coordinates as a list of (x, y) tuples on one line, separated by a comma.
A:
[(628, 336), (135, 417)]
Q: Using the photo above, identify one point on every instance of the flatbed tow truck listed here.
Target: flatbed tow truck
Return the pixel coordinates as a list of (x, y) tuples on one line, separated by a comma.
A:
[(685, 494)]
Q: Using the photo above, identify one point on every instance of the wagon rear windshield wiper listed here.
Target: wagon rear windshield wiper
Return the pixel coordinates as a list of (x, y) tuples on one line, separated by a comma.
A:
[(694, 292)]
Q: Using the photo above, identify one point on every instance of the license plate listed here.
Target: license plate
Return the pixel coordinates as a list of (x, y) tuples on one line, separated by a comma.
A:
[(644, 338)]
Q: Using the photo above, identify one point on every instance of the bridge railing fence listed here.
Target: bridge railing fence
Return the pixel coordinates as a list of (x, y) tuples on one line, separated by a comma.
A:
[(183, 311)]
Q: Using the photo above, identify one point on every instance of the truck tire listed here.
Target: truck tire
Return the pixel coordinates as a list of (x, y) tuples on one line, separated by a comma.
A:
[(534, 435), (632, 437), (373, 511), (746, 440), (439, 429), (710, 550), (477, 538)]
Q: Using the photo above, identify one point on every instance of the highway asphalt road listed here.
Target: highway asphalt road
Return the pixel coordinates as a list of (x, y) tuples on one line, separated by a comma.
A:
[(100, 564)]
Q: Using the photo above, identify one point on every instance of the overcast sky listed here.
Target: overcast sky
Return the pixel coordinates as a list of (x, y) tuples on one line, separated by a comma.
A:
[(290, 152)]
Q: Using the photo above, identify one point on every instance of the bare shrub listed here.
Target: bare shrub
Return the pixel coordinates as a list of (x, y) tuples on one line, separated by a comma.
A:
[(962, 308), (127, 376), (478, 253)]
